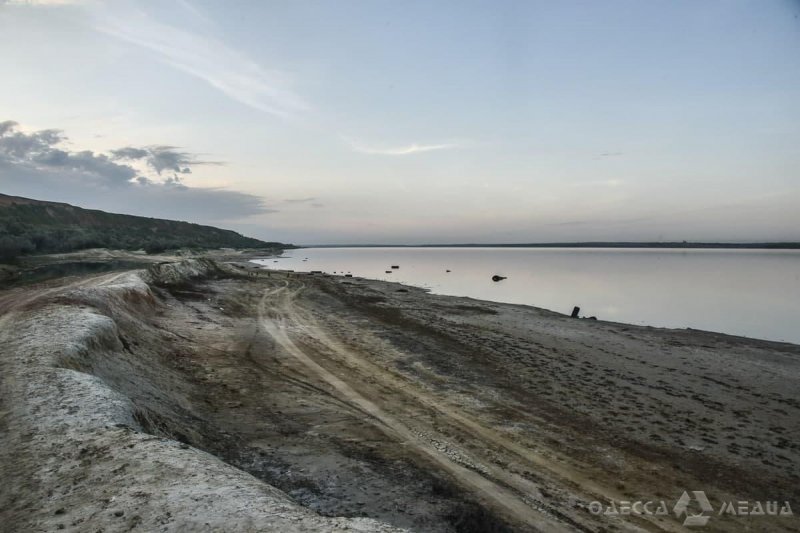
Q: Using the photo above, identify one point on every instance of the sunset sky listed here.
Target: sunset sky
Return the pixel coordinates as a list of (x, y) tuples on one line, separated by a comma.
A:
[(381, 121)]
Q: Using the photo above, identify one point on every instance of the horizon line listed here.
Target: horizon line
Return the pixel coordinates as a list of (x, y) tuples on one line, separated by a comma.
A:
[(580, 244)]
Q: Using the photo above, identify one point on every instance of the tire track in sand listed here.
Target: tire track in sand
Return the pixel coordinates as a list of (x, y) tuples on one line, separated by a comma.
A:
[(277, 326)]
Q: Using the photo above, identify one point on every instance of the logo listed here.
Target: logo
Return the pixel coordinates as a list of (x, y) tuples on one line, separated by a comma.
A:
[(693, 507), (682, 509)]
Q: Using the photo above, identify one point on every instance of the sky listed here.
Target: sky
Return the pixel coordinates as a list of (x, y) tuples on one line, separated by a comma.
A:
[(377, 121)]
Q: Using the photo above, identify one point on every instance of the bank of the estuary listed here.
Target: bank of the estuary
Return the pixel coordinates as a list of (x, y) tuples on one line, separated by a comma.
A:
[(209, 396)]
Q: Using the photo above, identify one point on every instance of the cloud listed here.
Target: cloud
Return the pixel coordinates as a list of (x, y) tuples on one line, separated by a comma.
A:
[(311, 201), (17, 144), (41, 2), (130, 153), (413, 148), (7, 126), (161, 158), (202, 56), (299, 200), (38, 150), (33, 164)]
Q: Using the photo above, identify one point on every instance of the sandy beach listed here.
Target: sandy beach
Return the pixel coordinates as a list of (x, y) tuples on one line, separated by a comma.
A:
[(203, 395)]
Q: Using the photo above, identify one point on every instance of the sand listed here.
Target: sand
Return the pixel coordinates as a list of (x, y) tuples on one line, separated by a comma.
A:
[(199, 396)]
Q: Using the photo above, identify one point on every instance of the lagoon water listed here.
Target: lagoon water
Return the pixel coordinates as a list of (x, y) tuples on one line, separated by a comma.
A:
[(754, 293)]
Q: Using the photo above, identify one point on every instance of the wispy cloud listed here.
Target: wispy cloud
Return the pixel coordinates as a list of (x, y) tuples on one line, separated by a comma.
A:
[(299, 200), (41, 2), (409, 149), (161, 158), (311, 201), (607, 155), (202, 56)]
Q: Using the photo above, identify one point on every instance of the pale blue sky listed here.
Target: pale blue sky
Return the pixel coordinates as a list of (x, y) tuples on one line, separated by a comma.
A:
[(407, 122)]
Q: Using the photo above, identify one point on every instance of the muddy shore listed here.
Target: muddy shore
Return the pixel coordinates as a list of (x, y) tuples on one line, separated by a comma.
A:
[(205, 395)]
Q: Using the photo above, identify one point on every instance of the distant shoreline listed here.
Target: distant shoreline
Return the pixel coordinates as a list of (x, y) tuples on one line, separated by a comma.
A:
[(665, 245)]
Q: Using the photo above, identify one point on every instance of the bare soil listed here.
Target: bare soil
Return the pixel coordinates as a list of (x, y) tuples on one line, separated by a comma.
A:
[(209, 397)]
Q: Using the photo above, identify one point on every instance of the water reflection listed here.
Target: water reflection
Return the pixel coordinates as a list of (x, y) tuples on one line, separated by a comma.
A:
[(753, 293)]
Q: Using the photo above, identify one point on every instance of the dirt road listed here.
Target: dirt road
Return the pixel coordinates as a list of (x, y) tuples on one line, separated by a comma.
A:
[(424, 409), (279, 315)]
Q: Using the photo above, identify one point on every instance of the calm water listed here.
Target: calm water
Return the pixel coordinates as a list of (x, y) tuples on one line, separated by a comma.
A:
[(754, 293)]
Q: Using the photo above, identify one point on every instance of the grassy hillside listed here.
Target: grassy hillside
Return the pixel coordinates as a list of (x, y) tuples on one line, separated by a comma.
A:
[(35, 227)]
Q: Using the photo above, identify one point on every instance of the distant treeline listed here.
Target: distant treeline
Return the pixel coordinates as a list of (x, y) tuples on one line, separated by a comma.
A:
[(32, 227), (683, 244)]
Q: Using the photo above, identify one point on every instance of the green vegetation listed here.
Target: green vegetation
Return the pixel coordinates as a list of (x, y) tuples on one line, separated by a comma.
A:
[(34, 227)]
